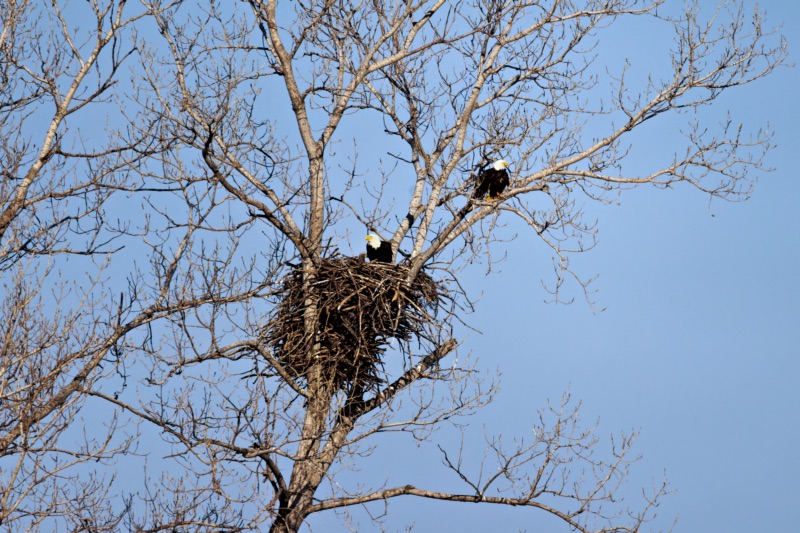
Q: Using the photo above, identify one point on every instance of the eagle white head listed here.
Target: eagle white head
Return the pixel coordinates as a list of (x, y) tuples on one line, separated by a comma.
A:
[(373, 240), (501, 164)]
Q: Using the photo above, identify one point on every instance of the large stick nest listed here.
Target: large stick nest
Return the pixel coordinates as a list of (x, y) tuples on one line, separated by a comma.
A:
[(360, 306)]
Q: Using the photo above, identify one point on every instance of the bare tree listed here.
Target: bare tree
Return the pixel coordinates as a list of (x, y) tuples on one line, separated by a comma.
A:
[(174, 196)]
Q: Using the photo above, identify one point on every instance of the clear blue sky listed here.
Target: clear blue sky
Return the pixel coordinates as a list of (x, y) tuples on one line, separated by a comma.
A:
[(697, 348)]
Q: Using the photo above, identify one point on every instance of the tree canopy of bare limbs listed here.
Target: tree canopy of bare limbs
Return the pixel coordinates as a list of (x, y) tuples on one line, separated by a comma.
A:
[(170, 168)]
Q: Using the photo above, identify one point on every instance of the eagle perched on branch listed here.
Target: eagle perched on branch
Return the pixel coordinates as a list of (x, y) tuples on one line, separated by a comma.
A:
[(491, 181)]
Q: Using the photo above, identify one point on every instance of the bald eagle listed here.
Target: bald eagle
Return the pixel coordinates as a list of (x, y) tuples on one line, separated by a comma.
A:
[(492, 181), (378, 250)]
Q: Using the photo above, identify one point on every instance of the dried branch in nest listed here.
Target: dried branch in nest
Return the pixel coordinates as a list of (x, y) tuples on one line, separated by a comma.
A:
[(361, 306)]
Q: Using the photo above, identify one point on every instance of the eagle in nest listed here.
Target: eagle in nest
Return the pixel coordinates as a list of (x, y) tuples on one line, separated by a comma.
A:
[(491, 181), (378, 250)]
